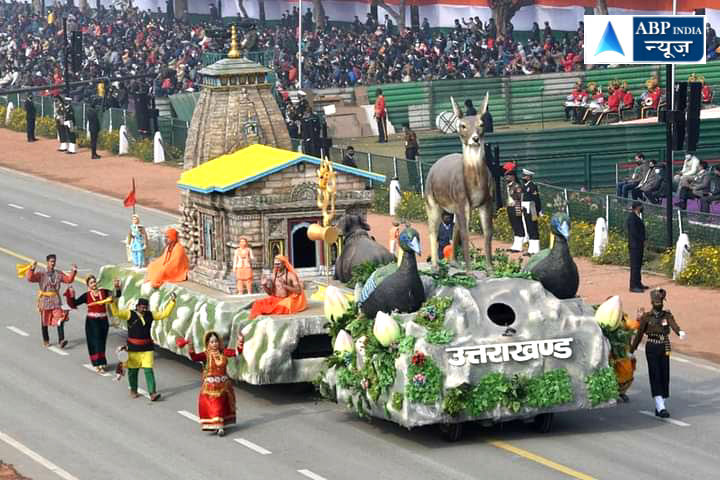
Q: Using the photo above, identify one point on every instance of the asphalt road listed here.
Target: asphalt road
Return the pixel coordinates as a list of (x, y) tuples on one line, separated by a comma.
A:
[(86, 426)]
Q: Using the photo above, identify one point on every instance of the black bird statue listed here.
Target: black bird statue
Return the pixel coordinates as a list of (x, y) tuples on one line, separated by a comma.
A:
[(392, 287), (554, 267)]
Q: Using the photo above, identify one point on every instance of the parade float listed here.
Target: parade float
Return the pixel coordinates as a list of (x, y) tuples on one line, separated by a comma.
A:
[(415, 346)]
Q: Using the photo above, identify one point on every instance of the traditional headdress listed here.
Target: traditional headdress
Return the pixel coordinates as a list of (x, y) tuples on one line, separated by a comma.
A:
[(509, 167), (286, 263), (171, 234)]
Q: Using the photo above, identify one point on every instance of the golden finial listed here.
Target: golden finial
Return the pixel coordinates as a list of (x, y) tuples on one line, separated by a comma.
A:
[(234, 50)]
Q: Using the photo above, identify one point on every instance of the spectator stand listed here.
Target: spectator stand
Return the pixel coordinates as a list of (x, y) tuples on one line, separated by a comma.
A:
[(576, 157)]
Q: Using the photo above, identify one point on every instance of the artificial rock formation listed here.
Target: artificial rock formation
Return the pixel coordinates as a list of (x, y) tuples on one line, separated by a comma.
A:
[(518, 304)]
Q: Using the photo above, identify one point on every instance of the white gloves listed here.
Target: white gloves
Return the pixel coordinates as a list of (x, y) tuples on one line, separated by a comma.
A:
[(682, 334)]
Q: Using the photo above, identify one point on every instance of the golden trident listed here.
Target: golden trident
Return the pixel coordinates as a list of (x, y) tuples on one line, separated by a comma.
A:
[(326, 193)]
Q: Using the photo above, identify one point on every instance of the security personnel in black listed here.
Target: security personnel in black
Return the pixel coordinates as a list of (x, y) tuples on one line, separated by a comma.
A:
[(307, 133), (94, 128), (30, 118), (636, 246)]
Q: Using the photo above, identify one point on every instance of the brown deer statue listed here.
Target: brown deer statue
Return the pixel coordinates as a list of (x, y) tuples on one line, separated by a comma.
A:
[(458, 183)]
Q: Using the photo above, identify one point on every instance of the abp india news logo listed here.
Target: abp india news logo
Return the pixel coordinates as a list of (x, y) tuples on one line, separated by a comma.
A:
[(626, 39)]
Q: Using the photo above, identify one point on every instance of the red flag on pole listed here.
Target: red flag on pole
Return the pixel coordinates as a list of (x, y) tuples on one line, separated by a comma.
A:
[(130, 199)]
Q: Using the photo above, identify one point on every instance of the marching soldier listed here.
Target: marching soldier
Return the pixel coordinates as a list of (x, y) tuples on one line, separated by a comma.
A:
[(514, 209), (70, 127), (531, 209), (656, 325), (60, 124)]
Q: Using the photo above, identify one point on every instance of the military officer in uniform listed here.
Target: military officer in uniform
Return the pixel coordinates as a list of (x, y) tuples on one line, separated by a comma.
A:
[(657, 324), (60, 124), (531, 210), (70, 127), (514, 209)]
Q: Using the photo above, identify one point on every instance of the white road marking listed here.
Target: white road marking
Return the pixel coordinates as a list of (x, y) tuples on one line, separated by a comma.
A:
[(71, 224), (92, 369), (96, 232), (59, 351), (666, 420), (37, 457), (44, 215), (309, 474), (172, 216), (18, 331), (694, 364), (189, 415), (19, 207), (253, 446)]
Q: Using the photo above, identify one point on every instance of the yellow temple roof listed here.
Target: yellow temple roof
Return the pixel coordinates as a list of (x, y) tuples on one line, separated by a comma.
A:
[(250, 164)]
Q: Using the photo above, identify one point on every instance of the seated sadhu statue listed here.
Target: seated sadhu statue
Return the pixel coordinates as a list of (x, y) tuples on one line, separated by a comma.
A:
[(285, 291), (172, 266)]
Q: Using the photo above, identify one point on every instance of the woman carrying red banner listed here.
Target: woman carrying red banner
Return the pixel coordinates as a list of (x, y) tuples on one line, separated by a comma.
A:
[(216, 402)]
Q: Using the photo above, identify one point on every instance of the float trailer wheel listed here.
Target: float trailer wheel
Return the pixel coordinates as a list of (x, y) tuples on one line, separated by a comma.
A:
[(543, 423), (452, 432)]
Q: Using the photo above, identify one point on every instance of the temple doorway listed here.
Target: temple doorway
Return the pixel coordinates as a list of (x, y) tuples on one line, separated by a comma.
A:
[(303, 251)]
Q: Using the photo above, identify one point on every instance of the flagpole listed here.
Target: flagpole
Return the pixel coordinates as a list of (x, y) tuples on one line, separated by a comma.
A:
[(300, 32)]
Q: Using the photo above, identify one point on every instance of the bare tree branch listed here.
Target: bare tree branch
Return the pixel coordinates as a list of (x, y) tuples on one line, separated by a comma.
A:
[(504, 10), (601, 7), (241, 8), (318, 15), (397, 15)]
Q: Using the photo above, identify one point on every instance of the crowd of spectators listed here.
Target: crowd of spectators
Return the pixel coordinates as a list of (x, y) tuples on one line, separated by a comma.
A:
[(132, 42), (372, 53), (116, 43)]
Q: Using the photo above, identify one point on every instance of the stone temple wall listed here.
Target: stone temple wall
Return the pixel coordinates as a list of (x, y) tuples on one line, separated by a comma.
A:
[(217, 125)]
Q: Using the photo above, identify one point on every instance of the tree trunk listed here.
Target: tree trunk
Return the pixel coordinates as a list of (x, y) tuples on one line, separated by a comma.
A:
[(38, 7), (601, 7), (397, 15), (83, 6), (261, 10), (318, 15), (241, 9), (504, 10), (181, 8)]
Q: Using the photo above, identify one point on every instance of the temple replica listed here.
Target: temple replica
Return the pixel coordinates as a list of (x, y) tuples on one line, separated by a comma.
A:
[(236, 109), (267, 195)]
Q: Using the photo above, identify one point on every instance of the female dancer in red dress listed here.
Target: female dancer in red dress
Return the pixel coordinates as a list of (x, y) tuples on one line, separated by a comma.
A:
[(96, 320), (216, 403)]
